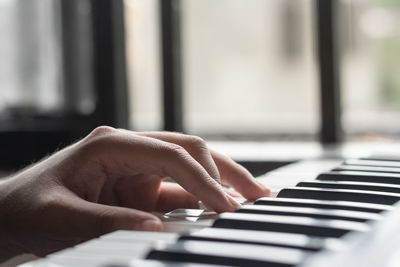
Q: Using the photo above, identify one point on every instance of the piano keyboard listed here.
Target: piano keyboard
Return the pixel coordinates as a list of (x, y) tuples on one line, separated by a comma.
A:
[(322, 213)]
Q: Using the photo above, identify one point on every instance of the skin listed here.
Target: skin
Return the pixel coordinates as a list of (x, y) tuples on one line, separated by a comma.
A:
[(110, 180)]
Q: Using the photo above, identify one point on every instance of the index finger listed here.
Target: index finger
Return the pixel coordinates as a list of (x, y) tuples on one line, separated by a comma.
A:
[(239, 178)]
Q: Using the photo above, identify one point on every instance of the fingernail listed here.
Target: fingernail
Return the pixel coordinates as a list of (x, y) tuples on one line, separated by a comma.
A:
[(149, 225), (233, 202)]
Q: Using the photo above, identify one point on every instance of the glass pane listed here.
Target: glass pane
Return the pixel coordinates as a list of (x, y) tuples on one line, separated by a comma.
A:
[(30, 78), (249, 67), (370, 54), (143, 61)]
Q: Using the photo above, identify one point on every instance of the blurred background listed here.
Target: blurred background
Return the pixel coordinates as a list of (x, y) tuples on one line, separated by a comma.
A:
[(227, 70)]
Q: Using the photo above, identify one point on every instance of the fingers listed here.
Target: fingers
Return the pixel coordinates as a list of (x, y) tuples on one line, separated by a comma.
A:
[(123, 152), (239, 178)]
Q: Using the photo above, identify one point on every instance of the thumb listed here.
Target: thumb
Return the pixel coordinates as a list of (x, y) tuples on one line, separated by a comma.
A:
[(97, 219)]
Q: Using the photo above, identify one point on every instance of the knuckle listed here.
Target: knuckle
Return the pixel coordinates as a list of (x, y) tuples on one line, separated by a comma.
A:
[(102, 130), (100, 135), (175, 150), (48, 204), (196, 142)]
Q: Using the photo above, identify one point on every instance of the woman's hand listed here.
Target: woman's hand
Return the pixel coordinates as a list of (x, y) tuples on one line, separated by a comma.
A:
[(110, 180)]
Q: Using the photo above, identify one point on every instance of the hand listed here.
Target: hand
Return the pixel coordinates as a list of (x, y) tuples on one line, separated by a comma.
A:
[(110, 180)]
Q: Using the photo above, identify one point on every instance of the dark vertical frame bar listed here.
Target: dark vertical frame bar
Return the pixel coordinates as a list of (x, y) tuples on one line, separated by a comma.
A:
[(171, 65), (77, 59), (331, 130), (69, 47), (110, 63)]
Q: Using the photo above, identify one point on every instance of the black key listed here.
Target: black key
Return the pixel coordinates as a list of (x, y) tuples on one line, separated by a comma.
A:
[(323, 204), (389, 188), (355, 216), (288, 224), (370, 177), (222, 253), (367, 169), (376, 163), (340, 194), (382, 157), (287, 240), (155, 263)]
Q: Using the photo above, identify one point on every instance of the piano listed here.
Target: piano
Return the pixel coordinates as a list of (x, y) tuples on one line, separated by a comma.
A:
[(321, 213)]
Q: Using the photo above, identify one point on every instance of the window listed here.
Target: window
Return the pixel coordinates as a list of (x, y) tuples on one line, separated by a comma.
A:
[(370, 55), (30, 73), (248, 67), (144, 63), (231, 68)]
